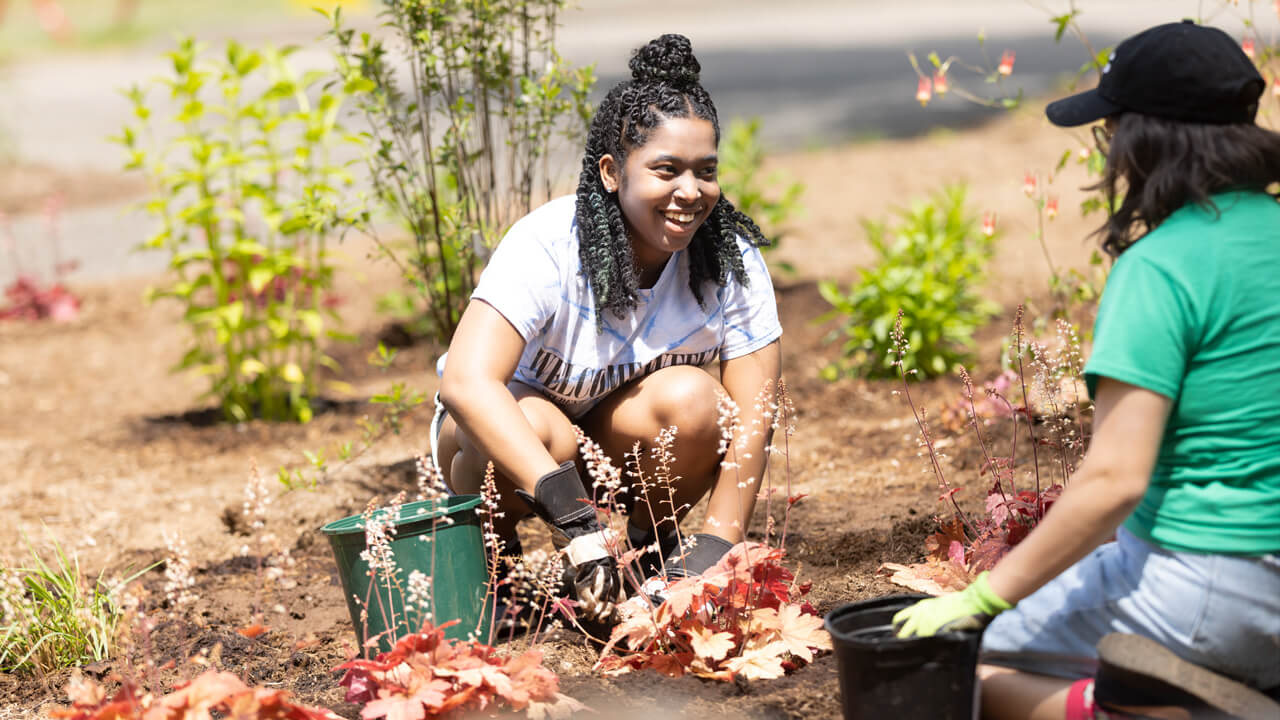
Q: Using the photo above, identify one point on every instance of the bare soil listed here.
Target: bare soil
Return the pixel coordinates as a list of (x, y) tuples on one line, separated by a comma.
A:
[(107, 451)]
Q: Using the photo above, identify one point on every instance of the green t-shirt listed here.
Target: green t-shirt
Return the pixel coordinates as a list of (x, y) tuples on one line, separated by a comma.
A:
[(1192, 311)]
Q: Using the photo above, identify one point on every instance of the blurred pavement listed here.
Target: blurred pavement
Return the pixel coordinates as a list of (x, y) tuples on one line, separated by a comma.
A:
[(817, 72)]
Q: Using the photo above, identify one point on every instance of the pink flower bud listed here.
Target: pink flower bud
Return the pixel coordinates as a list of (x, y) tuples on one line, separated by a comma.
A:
[(1247, 46), (924, 91), (988, 223), (940, 84), (1051, 207), (1029, 184), (1006, 63)]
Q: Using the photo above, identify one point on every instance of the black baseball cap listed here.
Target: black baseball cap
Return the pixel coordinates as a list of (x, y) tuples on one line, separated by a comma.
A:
[(1180, 71)]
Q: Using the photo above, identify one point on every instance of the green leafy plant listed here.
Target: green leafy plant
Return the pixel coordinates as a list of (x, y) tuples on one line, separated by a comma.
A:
[(463, 148), (741, 158), (929, 266), (394, 404), (247, 194), (53, 617)]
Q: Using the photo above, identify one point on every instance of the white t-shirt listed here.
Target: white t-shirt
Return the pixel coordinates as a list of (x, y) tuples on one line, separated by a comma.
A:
[(534, 279)]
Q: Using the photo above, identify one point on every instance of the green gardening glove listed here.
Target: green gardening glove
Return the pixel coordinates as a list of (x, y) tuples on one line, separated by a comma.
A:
[(969, 609)]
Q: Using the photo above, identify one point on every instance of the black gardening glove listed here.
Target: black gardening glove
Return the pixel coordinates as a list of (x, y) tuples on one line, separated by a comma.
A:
[(561, 500), (698, 554), (656, 547)]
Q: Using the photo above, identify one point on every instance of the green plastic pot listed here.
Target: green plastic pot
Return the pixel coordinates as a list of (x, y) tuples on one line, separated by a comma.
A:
[(451, 553)]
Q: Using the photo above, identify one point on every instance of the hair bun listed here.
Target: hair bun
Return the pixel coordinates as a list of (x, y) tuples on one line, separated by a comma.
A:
[(668, 59)]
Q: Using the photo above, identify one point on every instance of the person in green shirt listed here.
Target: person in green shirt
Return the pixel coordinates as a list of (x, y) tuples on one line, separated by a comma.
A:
[(1179, 616)]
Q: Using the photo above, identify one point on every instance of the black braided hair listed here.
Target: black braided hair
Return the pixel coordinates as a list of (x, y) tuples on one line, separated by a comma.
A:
[(664, 84)]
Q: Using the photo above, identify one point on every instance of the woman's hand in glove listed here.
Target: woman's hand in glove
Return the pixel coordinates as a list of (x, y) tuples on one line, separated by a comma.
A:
[(969, 609), (596, 583), (560, 499)]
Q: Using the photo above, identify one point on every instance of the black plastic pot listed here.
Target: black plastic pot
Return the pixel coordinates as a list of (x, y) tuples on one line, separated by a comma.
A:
[(882, 676)]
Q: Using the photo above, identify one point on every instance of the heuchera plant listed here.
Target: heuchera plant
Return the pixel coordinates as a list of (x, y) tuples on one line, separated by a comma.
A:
[(28, 298), (743, 617), (428, 676), (1052, 412), (210, 692)]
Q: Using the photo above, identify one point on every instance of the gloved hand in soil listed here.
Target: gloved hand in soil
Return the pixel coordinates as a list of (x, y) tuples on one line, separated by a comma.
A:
[(562, 501), (969, 609), (698, 554)]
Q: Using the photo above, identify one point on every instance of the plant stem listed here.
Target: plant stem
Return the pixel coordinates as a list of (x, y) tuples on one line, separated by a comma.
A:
[(1026, 403), (928, 441)]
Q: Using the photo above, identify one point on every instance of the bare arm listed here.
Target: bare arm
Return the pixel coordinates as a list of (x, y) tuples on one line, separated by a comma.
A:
[(1128, 425), (730, 507), (483, 356)]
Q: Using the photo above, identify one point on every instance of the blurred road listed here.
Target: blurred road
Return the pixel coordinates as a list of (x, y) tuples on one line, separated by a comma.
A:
[(816, 71)]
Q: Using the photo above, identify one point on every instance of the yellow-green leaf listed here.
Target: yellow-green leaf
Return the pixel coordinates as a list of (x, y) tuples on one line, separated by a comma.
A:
[(279, 328), (313, 321), (341, 386), (232, 315), (252, 366), (259, 276), (291, 373)]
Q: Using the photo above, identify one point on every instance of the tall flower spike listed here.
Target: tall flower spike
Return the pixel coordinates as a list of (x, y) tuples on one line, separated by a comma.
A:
[(256, 498), (430, 480), (600, 468), (728, 419), (787, 408), (1006, 63), (899, 340), (924, 91)]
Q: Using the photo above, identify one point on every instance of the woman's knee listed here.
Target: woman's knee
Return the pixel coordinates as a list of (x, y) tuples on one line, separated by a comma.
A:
[(552, 428), (686, 397)]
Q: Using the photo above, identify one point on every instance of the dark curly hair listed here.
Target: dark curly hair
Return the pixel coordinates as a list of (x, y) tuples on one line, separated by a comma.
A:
[(664, 84), (1164, 164)]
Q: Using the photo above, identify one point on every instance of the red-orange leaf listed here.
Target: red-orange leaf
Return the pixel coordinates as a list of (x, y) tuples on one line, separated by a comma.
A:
[(253, 631)]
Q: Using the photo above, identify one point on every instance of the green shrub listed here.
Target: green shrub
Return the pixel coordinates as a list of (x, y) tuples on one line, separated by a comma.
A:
[(247, 194), (52, 617), (741, 159), (463, 101), (929, 265)]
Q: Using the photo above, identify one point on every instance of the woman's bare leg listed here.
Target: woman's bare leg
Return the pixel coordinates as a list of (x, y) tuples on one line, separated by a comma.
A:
[(1009, 694), (463, 465), (683, 397)]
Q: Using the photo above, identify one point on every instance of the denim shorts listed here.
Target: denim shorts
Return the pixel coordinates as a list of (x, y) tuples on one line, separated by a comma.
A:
[(1221, 612)]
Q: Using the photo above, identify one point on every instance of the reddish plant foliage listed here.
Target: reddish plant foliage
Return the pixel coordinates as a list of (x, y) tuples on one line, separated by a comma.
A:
[(212, 691), (426, 676), (29, 301), (742, 617), (1049, 411)]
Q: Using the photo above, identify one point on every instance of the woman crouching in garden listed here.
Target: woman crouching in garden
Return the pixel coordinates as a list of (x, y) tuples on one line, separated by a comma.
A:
[(598, 311), (1179, 616)]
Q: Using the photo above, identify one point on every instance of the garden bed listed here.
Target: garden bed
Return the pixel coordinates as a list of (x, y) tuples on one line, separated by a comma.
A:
[(109, 451)]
